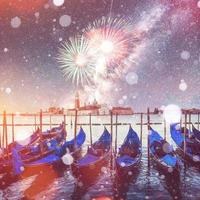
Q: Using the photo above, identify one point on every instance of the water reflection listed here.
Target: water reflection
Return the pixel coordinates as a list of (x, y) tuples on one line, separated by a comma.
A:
[(121, 185), (42, 181)]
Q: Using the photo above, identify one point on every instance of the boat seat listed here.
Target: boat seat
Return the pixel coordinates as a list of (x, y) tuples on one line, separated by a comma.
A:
[(158, 148), (96, 152), (129, 151)]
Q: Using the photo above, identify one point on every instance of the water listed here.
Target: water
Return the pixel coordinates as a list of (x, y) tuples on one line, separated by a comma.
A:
[(145, 183)]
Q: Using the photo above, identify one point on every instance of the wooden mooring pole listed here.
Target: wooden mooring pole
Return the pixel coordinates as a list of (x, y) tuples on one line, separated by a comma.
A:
[(5, 131), (41, 143), (185, 129), (148, 129), (40, 120), (75, 126), (13, 128), (116, 131), (141, 127), (35, 120), (165, 130), (111, 132), (90, 123), (50, 122), (190, 120)]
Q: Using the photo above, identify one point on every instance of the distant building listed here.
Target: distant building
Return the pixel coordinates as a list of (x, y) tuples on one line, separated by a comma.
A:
[(122, 111), (55, 110), (96, 109)]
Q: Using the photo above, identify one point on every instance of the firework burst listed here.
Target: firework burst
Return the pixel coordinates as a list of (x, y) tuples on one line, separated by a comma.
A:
[(112, 39), (76, 61)]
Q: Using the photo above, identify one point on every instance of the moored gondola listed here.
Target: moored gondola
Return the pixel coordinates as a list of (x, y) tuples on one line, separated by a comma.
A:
[(129, 155), (187, 148), (196, 133), (38, 149), (97, 157), (162, 154), (53, 157)]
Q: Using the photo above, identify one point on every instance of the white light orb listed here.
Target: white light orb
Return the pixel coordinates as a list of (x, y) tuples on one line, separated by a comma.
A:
[(132, 78), (37, 14), (107, 46), (198, 4), (183, 85), (58, 2), (172, 113), (15, 22), (8, 90), (21, 168), (123, 164), (5, 50), (65, 20), (185, 55), (67, 159)]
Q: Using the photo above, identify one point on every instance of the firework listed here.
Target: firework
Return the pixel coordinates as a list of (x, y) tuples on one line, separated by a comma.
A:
[(76, 61), (112, 40)]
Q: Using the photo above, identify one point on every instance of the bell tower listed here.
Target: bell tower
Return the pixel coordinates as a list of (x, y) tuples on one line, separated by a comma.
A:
[(77, 101)]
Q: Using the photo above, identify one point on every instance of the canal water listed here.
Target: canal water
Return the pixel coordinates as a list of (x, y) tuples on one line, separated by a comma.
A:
[(144, 183)]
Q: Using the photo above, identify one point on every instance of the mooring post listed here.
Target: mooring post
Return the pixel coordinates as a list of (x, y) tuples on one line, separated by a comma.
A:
[(41, 142), (148, 129), (185, 129), (13, 129), (0, 140), (141, 127), (41, 120), (75, 126), (111, 132), (90, 122), (64, 124), (190, 120), (35, 120), (3, 135), (165, 130), (5, 130), (116, 131)]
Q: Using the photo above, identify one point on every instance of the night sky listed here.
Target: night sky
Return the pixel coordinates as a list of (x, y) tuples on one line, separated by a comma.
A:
[(166, 67)]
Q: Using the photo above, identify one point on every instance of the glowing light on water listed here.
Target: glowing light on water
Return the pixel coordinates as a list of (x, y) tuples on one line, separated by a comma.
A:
[(172, 114), (75, 60)]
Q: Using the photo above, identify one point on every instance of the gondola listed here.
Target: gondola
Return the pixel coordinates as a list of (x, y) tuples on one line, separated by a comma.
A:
[(97, 156), (31, 151), (162, 154), (129, 155), (187, 148), (51, 158), (196, 133), (25, 145)]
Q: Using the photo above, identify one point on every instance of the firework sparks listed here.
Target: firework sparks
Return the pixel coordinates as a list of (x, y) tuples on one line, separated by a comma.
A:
[(76, 61), (112, 39)]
